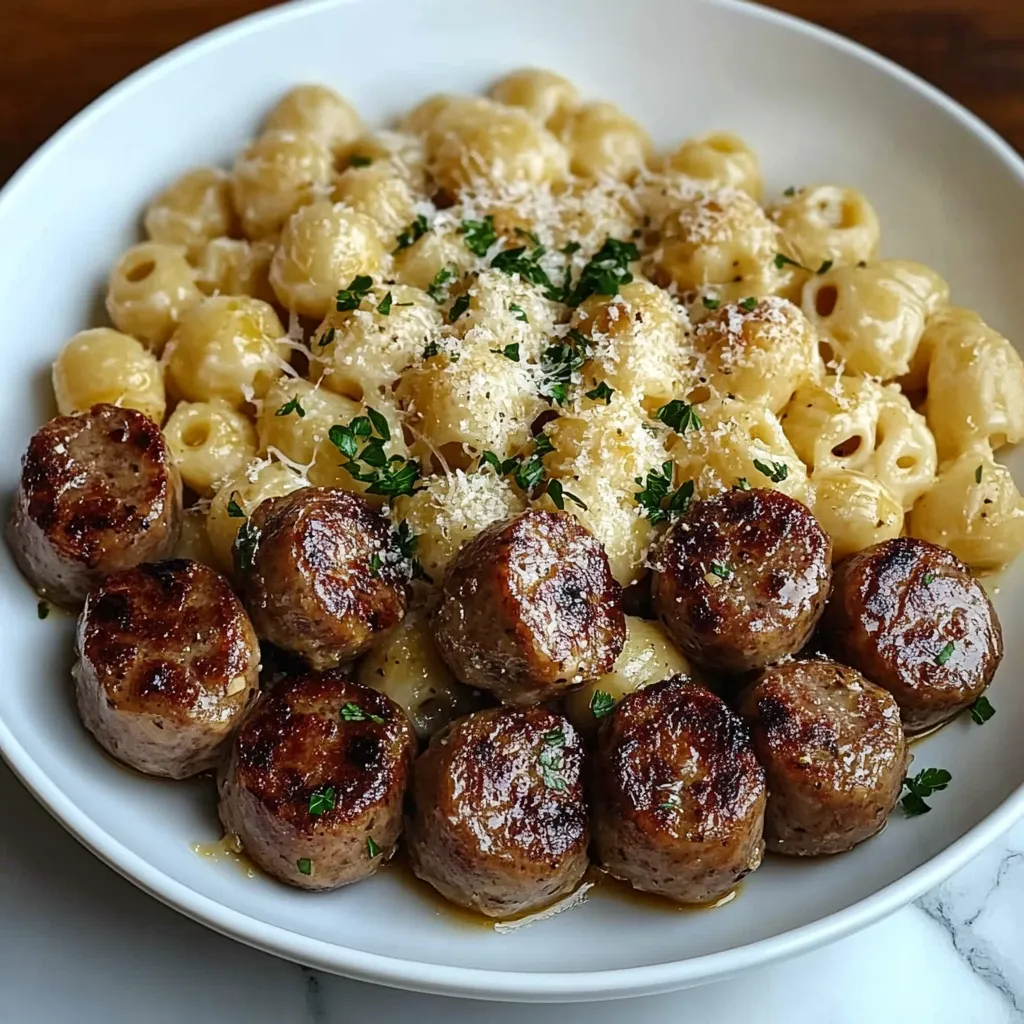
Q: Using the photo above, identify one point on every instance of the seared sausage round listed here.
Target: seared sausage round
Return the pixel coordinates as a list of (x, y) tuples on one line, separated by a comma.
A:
[(321, 574), (530, 610), (98, 493), (167, 661), (315, 781), (833, 748), (909, 615), (499, 822), (741, 580), (678, 796)]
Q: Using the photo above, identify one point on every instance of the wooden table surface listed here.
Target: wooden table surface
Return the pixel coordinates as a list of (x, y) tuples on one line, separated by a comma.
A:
[(61, 54)]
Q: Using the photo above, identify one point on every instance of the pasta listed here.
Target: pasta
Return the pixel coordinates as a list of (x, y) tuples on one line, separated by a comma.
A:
[(647, 657), (102, 365), (407, 667), (871, 318), (226, 347), (150, 287), (210, 442), (322, 248), (974, 509), (521, 305), (194, 209), (717, 160), (854, 423), (975, 384)]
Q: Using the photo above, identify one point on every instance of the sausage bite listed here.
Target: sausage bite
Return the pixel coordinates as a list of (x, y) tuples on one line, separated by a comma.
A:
[(499, 823), (321, 574), (315, 781), (98, 493), (678, 796), (167, 661), (530, 610), (741, 580), (833, 749), (909, 616)]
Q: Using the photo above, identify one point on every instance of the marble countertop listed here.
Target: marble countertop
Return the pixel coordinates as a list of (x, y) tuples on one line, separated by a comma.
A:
[(80, 944)]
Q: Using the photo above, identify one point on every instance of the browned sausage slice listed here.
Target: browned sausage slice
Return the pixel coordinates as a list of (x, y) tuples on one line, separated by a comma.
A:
[(834, 752), (167, 663), (316, 779), (679, 798), (530, 609), (909, 615), (742, 579), (500, 824), (98, 493), (321, 574)]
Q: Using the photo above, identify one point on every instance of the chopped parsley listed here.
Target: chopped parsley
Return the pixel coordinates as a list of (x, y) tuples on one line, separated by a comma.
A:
[(305, 866), (509, 352), (376, 564), (657, 499), (438, 288), (602, 704), (710, 302), (671, 803), (561, 363), (321, 800), (782, 260), (246, 542), (388, 475), (354, 713), (529, 472), (945, 654), (921, 786), (518, 312), (234, 509), (479, 235), (557, 493), (552, 760), (292, 405), (358, 160), (679, 415), (721, 570), (413, 233), (929, 579), (384, 306), (430, 350), (42, 610), (606, 272), (601, 393), (825, 267), (977, 475), (372, 848), (791, 191), (459, 306), (741, 485), (351, 297), (775, 471), (570, 248), (981, 710), (749, 304), (327, 337), (406, 541), (527, 266)]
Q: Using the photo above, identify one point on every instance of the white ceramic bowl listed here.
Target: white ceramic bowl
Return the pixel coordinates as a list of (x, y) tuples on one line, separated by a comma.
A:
[(816, 108)]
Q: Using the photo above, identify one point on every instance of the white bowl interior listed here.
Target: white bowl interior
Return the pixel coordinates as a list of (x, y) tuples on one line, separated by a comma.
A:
[(815, 111)]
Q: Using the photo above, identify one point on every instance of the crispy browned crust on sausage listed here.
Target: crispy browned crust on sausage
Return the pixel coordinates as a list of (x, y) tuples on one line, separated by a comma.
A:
[(167, 662), (894, 609), (741, 580), (499, 822), (325, 578), (833, 749), (314, 735), (678, 796), (98, 493), (530, 610)]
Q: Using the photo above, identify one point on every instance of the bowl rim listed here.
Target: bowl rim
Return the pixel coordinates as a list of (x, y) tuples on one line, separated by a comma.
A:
[(474, 982)]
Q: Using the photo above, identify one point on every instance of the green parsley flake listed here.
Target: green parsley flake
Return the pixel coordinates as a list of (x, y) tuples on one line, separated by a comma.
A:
[(327, 337), (741, 484), (438, 288), (459, 306), (479, 235), (601, 393), (354, 713), (721, 570), (413, 233), (921, 786), (749, 304), (292, 405), (384, 306), (606, 272), (977, 475), (372, 848), (391, 476), (657, 499), (376, 563), (929, 579), (518, 312), (784, 261), (305, 866), (775, 471), (358, 160), (509, 352), (945, 654), (552, 760), (601, 704), (350, 298), (981, 710), (680, 416), (42, 610), (825, 267), (321, 800), (791, 191), (246, 543), (234, 509), (710, 302)]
